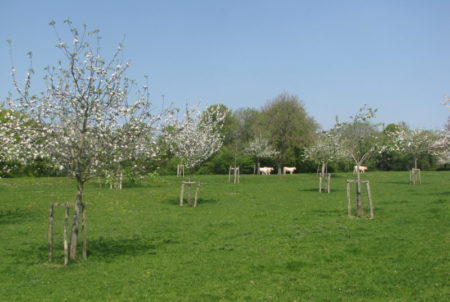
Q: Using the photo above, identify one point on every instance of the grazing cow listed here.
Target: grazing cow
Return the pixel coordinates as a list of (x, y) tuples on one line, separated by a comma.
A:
[(265, 170), (289, 169), (362, 169)]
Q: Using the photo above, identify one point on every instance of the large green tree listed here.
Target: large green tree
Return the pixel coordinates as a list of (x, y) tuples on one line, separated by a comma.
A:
[(288, 126)]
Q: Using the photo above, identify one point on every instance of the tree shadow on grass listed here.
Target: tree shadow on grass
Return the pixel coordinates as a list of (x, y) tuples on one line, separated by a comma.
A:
[(399, 182), (443, 193), (17, 215), (176, 201), (324, 191), (99, 249), (109, 248), (309, 190), (327, 213)]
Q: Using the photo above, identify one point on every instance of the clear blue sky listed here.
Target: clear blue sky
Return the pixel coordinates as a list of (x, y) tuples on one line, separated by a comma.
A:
[(393, 55)]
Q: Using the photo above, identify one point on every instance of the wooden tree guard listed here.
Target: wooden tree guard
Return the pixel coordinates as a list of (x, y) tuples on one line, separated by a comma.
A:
[(180, 170), (117, 181), (236, 174), (51, 222), (189, 199), (414, 176), (325, 182), (369, 195)]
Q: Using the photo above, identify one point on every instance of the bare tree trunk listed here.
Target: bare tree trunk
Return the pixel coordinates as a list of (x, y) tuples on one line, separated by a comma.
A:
[(415, 162), (76, 219), (257, 168)]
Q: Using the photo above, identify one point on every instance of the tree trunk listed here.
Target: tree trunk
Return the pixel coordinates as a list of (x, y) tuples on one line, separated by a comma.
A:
[(415, 162), (359, 208), (76, 219), (257, 168)]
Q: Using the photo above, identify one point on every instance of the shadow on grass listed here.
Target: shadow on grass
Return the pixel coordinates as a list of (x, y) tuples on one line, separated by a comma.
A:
[(16, 215), (443, 193), (99, 249), (309, 190), (200, 201), (395, 182), (323, 190), (326, 213), (109, 248)]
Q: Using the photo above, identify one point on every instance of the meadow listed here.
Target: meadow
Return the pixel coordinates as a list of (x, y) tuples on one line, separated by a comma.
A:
[(270, 238)]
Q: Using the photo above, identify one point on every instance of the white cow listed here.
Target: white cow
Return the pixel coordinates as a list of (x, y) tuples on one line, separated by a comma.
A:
[(289, 169), (362, 169), (265, 170)]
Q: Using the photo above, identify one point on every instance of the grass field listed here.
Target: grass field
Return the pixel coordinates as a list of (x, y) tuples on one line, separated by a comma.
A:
[(271, 238)]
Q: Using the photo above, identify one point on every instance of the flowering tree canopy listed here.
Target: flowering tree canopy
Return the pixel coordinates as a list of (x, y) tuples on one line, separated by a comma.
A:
[(82, 120), (416, 142), (197, 136), (326, 148), (259, 148), (358, 138)]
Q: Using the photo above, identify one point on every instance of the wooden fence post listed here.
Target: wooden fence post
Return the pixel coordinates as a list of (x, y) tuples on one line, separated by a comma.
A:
[(51, 214)]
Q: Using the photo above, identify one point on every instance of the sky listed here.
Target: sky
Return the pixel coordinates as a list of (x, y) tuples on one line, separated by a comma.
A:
[(336, 56)]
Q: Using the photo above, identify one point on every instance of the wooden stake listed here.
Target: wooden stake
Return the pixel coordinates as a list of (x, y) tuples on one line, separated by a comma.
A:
[(320, 182), (349, 204), (369, 194), (329, 183), (50, 232), (196, 194), (182, 194), (84, 231), (66, 226)]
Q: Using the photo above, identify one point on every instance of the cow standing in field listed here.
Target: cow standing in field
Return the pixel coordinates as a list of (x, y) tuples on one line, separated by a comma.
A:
[(289, 169), (265, 170), (362, 169)]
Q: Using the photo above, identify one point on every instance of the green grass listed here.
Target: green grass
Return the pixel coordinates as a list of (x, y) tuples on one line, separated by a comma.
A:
[(271, 238)]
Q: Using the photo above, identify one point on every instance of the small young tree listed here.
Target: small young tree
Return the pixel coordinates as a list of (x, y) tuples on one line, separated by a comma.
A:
[(260, 148), (134, 151), (414, 142), (325, 149), (196, 137), (358, 140), (81, 114)]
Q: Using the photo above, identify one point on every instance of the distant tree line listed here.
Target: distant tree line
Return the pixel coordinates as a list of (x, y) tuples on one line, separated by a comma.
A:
[(286, 128)]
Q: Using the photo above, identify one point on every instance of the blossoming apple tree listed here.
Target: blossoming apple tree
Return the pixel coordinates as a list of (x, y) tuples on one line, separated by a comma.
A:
[(326, 148), (358, 140), (259, 148), (83, 120), (196, 137), (416, 143)]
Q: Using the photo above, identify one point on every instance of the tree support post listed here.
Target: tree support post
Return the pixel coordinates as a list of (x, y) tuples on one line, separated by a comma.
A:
[(189, 199), (325, 182), (369, 196), (236, 174), (180, 170), (51, 223), (414, 176)]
